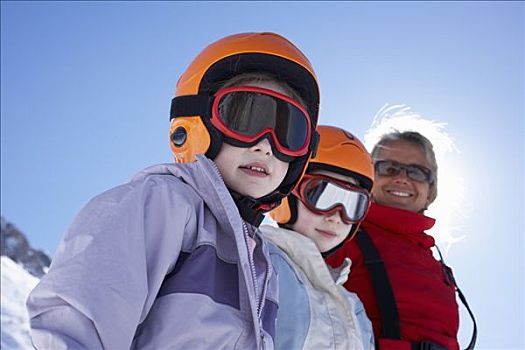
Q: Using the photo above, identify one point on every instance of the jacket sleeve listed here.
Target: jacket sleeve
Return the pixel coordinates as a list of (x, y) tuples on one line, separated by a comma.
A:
[(366, 332), (293, 315), (109, 267)]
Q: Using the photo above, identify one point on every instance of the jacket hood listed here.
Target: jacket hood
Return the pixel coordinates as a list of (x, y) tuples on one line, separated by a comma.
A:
[(203, 176)]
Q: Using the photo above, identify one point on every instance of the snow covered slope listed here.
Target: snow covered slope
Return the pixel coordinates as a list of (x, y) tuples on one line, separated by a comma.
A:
[(16, 284)]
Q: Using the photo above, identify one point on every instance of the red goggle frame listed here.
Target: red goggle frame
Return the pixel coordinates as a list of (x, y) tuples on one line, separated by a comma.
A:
[(248, 113), (325, 195)]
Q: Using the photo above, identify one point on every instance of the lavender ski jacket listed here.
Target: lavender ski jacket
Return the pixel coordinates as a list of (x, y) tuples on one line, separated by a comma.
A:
[(158, 263)]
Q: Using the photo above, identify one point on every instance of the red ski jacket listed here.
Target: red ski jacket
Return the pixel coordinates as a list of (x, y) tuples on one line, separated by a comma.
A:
[(424, 295)]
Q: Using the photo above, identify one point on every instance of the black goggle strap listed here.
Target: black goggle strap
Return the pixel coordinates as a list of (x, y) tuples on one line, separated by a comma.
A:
[(191, 105), (314, 141)]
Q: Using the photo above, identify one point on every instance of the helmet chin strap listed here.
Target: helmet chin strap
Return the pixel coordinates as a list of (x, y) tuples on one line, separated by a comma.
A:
[(249, 208)]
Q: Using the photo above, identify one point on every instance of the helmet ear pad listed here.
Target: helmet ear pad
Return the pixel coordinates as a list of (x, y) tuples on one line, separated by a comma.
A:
[(286, 213), (193, 135)]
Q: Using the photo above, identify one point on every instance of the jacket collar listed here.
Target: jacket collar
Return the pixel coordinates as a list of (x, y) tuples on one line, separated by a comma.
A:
[(204, 177), (304, 253), (400, 221)]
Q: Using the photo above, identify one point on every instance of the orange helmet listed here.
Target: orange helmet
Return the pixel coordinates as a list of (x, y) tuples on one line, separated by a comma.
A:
[(341, 152), (192, 133)]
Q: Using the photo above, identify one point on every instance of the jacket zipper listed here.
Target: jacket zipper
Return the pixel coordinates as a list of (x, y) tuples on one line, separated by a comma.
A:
[(252, 267), (258, 298), (265, 287)]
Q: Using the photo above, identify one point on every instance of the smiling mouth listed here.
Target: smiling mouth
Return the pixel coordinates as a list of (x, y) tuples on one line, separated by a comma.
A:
[(399, 193), (254, 170), (328, 234)]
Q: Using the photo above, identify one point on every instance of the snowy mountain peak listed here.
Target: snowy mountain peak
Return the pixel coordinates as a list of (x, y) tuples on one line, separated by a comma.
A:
[(14, 244)]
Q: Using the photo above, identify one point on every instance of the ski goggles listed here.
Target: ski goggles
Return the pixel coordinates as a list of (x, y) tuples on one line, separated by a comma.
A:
[(325, 195), (414, 172), (248, 113)]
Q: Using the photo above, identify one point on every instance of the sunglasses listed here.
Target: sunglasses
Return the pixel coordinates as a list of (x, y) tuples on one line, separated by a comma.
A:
[(325, 195), (247, 114), (414, 172)]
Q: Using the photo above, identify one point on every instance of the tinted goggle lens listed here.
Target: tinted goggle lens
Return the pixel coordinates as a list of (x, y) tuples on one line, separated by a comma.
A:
[(414, 172), (250, 112), (326, 196)]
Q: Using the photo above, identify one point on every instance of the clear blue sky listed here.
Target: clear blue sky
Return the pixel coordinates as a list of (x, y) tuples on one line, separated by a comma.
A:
[(86, 89)]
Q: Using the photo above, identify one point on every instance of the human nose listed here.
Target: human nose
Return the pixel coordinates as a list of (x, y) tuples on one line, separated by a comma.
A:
[(262, 146), (402, 175), (335, 218)]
